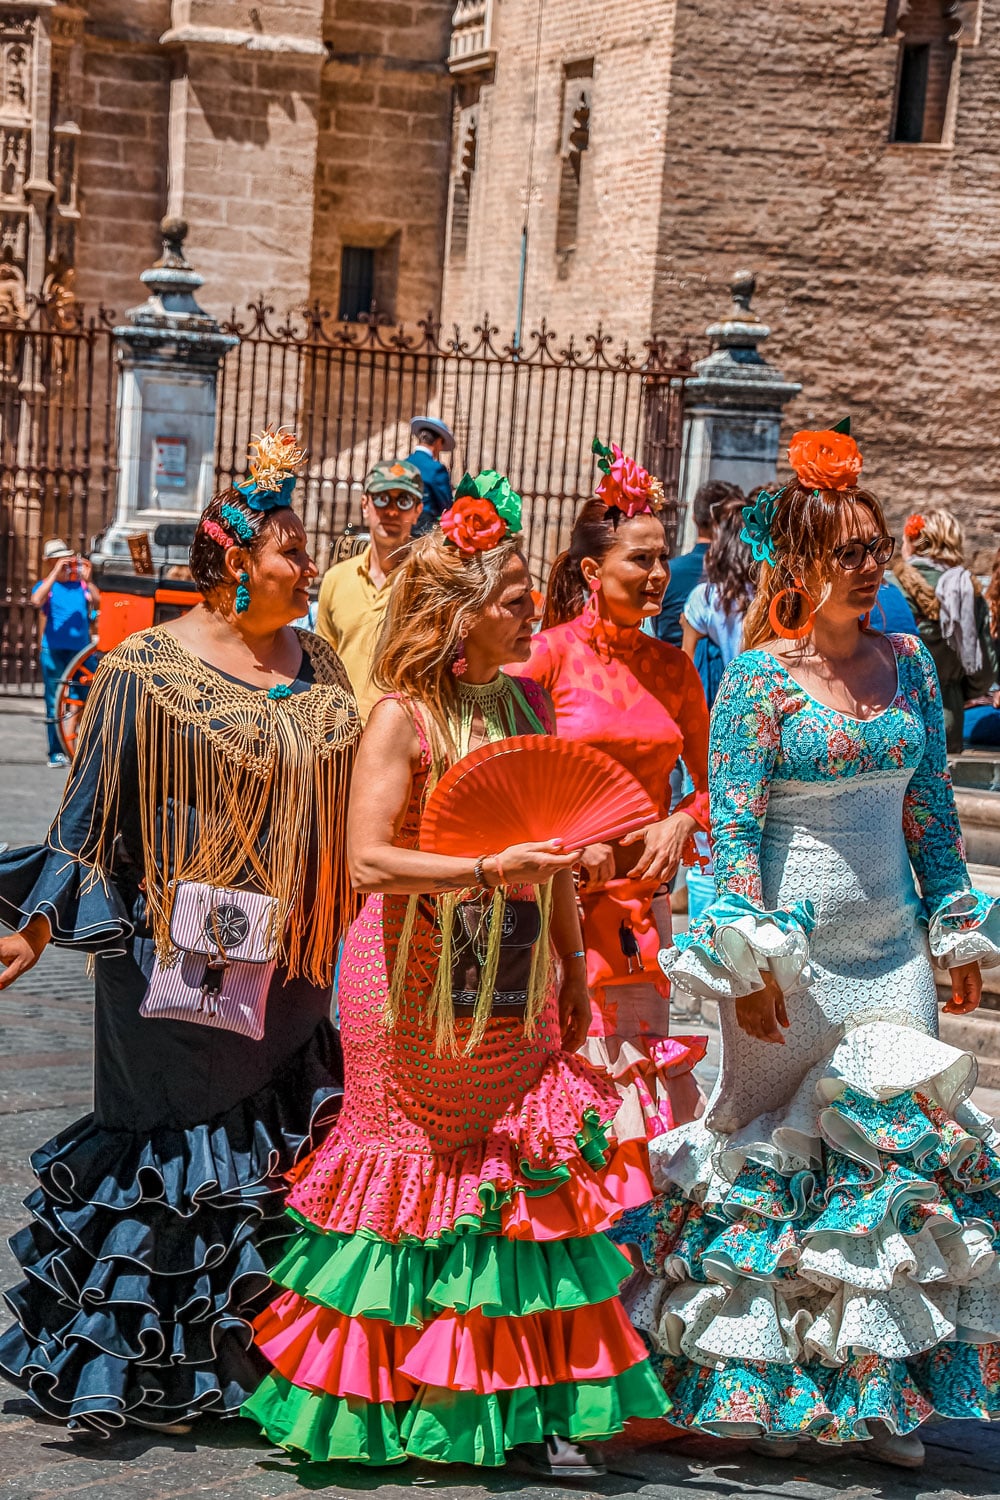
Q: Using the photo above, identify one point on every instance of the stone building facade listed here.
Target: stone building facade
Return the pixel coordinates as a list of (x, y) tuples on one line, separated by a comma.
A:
[(846, 151), (305, 141), (563, 160)]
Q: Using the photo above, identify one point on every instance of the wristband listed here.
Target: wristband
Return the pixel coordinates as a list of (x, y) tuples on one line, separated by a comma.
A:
[(501, 878), (564, 958), (480, 874)]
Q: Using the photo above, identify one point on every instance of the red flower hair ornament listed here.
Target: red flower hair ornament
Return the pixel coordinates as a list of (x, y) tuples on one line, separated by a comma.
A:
[(625, 485), (827, 460), (485, 511), (914, 526)]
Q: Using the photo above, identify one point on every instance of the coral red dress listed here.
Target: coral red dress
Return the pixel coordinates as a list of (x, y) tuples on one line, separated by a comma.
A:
[(642, 702), (450, 1292)]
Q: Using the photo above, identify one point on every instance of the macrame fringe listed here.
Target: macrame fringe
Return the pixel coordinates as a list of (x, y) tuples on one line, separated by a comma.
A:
[(397, 985), (235, 789), (540, 976), (440, 1010), (488, 975)]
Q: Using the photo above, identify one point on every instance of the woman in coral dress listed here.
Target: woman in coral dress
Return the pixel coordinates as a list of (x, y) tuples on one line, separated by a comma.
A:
[(450, 1294), (826, 1242), (642, 702)]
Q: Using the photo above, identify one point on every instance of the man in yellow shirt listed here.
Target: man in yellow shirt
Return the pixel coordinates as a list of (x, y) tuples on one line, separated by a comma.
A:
[(354, 594)]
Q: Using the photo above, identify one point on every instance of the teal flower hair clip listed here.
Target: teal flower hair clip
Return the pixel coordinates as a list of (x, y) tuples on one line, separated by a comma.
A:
[(757, 521)]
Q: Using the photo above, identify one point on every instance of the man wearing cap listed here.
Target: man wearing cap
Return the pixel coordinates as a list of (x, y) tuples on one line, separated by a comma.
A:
[(69, 599), (354, 594), (432, 438)]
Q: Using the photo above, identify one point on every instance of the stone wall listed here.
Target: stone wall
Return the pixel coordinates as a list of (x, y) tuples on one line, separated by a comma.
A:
[(607, 275), (878, 262), (124, 108), (382, 158)]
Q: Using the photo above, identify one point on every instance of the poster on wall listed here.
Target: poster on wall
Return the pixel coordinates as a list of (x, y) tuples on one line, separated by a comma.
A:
[(170, 463)]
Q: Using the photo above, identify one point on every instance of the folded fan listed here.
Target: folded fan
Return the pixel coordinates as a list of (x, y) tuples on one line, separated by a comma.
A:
[(528, 789)]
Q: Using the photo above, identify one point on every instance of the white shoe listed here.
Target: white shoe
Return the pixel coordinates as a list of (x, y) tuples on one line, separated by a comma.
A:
[(885, 1447), (774, 1447)]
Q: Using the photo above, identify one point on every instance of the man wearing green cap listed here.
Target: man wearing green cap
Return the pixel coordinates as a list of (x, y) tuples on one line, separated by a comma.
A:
[(354, 594)]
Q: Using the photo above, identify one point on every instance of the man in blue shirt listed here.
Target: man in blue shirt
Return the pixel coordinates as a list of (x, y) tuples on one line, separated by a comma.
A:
[(432, 437), (68, 597), (688, 570)]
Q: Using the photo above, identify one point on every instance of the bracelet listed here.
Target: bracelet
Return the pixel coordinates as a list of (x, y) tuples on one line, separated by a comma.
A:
[(501, 878), (480, 874), (564, 958)]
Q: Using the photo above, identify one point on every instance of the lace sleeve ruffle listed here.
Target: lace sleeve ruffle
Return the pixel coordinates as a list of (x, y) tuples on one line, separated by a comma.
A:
[(84, 910), (964, 928), (724, 952)]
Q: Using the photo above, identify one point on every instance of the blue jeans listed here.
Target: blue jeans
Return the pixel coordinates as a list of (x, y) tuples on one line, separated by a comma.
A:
[(53, 665)]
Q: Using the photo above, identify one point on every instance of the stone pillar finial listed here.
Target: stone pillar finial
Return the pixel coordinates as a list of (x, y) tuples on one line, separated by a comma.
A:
[(174, 231), (743, 286)]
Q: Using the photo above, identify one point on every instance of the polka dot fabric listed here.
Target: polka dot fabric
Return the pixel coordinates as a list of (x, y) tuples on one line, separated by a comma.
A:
[(510, 1146)]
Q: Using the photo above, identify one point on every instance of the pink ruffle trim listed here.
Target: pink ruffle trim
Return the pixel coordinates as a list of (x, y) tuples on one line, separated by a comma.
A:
[(654, 1078), (322, 1350), (529, 1177)]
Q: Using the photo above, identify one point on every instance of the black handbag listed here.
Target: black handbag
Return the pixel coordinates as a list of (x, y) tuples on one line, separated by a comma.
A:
[(522, 927)]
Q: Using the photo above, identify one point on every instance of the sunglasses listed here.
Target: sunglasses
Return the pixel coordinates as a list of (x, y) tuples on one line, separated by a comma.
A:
[(400, 501), (851, 556)]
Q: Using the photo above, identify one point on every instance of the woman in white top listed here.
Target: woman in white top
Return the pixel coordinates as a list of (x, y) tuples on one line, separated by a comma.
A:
[(715, 609)]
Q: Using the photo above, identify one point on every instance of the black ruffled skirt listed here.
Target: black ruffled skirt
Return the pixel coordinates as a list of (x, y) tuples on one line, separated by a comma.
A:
[(147, 1256)]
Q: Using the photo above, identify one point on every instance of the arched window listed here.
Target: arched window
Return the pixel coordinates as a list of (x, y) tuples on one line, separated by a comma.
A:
[(930, 34), (574, 141), (461, 192)]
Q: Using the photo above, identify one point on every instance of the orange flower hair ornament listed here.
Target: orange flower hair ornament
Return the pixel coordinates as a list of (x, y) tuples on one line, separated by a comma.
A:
[(914, 526), (625, 485), (829, 460)]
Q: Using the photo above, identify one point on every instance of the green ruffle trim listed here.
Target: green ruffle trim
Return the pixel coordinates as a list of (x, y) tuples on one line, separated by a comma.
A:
[(365, 1277), (454, 1427)]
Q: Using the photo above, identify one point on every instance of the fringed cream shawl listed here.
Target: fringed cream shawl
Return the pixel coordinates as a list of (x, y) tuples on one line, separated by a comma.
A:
[(235, 788)]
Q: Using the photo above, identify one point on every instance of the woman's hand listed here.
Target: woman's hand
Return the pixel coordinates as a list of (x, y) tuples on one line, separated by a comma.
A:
[(763, 1013), (663, 846), (966, 990), (20, 951), (574, 1006), (529, 864), (598, 864)]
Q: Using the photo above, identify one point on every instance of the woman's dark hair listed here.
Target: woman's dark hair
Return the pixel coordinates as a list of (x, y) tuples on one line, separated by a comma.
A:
[(208, 555), (729, 561), (993, 597), (594, 534)]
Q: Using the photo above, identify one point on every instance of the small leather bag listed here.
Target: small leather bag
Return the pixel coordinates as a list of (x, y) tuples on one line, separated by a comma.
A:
[(522, 928), (224, 945)]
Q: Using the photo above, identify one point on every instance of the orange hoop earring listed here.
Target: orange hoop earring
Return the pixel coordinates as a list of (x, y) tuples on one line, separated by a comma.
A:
[(789, 632)]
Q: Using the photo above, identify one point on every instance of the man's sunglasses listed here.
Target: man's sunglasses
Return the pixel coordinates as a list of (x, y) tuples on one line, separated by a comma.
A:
[(851, 556), (401, 501)]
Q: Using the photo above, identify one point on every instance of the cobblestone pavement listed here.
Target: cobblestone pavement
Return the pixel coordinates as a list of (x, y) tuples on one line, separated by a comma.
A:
[(45, 1038)]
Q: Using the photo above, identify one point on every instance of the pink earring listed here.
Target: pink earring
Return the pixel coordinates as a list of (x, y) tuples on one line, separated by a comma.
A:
[(591, 610), (459, 664)]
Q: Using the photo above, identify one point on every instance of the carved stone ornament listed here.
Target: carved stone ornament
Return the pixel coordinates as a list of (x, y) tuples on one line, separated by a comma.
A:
[(964, 18)]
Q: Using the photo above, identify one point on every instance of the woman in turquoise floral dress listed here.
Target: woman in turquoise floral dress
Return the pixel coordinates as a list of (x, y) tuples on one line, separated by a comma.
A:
[(824, 1250)]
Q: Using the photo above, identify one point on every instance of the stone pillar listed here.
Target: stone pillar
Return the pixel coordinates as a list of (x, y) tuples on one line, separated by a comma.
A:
[(169, 353), (733, 407)]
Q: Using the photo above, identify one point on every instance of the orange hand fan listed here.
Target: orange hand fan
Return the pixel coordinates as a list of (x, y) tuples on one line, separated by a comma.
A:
[(530, 788)]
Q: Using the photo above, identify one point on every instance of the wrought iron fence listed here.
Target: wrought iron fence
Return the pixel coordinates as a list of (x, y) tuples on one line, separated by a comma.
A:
[(57, 454), (349, 390)]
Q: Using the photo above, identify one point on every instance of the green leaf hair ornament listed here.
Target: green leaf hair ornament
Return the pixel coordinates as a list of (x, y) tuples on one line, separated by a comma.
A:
[(757, 521)]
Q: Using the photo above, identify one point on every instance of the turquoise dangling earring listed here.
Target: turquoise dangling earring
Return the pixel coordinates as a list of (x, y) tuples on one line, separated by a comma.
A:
[(243, 594)]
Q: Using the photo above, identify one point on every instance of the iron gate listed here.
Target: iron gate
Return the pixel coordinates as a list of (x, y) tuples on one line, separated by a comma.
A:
[(349, 391), (57, 455)]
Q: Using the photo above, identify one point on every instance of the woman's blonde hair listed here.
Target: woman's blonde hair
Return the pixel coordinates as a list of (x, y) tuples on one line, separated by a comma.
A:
[(806, 527), (437, 593), (940, 537)]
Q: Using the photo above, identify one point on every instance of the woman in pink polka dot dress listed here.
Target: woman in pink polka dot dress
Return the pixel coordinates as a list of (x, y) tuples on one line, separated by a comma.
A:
[(641, 701), (450, 1294)]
